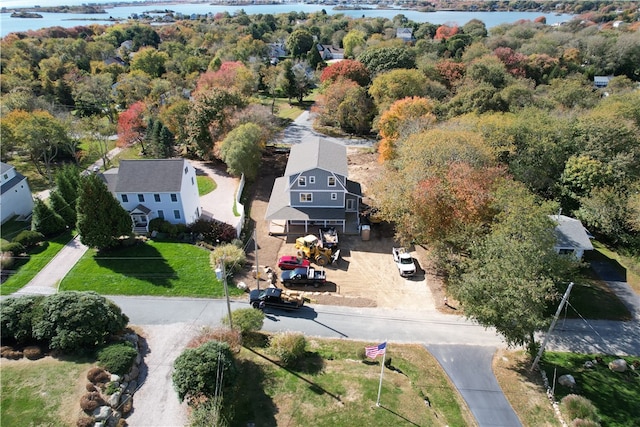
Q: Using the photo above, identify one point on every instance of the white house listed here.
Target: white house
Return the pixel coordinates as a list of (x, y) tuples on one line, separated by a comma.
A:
[(148, 189), (571, 236), (15, 194)]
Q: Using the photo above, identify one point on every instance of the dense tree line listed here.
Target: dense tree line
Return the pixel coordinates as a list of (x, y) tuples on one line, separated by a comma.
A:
[(483, 132)]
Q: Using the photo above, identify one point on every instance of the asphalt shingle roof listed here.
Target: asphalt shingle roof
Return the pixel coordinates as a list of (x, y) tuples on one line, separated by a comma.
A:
[(148, 176), (315, 153)]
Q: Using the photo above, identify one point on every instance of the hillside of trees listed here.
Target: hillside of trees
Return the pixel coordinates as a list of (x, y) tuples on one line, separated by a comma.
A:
[(463, 114)]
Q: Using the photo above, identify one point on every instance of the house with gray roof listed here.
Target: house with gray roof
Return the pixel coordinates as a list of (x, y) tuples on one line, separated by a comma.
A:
[(158, 188), (15, 194), (571, 236), (315, 189)]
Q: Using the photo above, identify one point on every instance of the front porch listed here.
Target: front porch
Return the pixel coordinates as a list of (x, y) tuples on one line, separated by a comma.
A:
[(350, 225)]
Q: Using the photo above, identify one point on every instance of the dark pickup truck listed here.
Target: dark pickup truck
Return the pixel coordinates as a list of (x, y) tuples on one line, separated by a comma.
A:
[(273, 297), (303, 276)]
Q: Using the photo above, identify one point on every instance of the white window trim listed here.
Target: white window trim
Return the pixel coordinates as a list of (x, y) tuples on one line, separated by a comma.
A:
[(302, 200), (335, 181), (334, 196), (302, 181), (312, 180)]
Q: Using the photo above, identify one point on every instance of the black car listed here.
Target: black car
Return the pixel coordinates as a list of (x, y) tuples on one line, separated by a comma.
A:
[(273, 297)]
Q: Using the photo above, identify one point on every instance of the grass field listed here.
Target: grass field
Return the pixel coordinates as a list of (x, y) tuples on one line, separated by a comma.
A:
[(26, 268), (629, 267), (332, 387), (45, 392), (206, 185), (151, 268), (616, 395)]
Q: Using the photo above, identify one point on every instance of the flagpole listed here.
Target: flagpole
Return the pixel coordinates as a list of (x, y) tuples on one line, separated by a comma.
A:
[(384, 355)]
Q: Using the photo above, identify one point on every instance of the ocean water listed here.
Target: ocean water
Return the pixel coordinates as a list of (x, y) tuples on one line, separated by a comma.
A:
[(67, 20)]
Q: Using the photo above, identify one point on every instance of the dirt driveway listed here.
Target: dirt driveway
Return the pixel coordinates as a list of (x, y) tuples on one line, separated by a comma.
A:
[(365, 275)]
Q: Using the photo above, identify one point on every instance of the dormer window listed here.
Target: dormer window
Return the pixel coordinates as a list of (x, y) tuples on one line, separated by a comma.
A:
[(302, 181), (312, 180), (331, 181)]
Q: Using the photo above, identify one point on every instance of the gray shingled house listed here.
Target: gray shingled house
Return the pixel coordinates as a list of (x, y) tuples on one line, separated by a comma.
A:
[(315, 190), (571, 236)]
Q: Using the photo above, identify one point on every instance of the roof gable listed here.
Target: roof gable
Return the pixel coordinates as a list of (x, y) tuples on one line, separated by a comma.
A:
[(570, 233), (149, 176), (319, 153)]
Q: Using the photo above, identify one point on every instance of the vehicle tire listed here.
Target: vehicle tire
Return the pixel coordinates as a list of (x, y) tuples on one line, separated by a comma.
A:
[(255, 304), (322, 260)]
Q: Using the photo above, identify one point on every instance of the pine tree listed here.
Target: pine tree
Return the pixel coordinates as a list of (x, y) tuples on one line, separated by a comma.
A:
[(62, 208), (67, 182), (45, 220), (101, 219)]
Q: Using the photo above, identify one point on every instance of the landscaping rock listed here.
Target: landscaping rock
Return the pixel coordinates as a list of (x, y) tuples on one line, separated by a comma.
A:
[(133, 385), (133, 374), (567, 380), (115, 378), (114, 399), (618, 365), (589, 364), (127, 403), (99, 424), (113, 419), (102, 413)]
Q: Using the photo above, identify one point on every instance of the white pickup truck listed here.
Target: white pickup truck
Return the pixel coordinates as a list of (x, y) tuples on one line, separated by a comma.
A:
[(404, 262)]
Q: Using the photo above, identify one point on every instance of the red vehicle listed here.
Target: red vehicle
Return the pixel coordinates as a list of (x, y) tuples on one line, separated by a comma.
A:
[(289, 262)]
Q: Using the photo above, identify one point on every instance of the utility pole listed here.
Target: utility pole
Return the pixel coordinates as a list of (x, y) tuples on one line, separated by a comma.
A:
[(222, 274), (565, 297), (255, 249)]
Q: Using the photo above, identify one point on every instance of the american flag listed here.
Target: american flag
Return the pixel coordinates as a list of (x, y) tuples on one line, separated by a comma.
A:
[(375, 351)]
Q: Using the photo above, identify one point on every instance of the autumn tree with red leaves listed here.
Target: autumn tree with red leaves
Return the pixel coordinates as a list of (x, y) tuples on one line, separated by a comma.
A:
[(231, 76), (349, 69), (132, 126), (450, 71), (444, 32)]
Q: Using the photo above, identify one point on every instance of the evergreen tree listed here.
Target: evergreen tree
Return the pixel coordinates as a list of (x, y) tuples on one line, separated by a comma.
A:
[(45, 220), (67, 182), (62, 208), (165, 142), (101, 219)]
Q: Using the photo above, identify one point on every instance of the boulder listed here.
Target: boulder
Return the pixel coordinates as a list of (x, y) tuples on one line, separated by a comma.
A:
[(133, 374), (101, 413), (588, 364), (127, 403), (113, 419), (567, 380), (133, 385), (618, 365), (114, 399), (115, 378)]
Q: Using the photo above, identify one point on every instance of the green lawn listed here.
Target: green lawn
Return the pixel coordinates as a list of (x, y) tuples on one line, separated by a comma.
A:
[(39, 257), (332, 387), (629, 267), (206, 185), (592, 299), (151, 268), (616, 395), (42, 393)]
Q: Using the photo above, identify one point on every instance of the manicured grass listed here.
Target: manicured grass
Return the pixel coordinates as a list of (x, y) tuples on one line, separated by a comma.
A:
[(616, 395), (206, 185), (592, 299), (45, 392), (150, 268), (12, 228), (629, 267), (26, 268), (332, 387)]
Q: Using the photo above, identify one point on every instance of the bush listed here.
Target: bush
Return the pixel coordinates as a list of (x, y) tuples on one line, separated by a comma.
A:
[(226, 335), (28, 238), (199, 371), (90, 401), (157, 224), (213, 231), (73, 321), (15, 248), (6, 260), (45, 220), (289, 347), (207, 413), (12, 354), (90, 387), (117, 358), (574, 407), (579, 422), (98, 376), (246, 319), (32, 352), (361, 353), (234, 257), (85, 422), (18, 315)]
